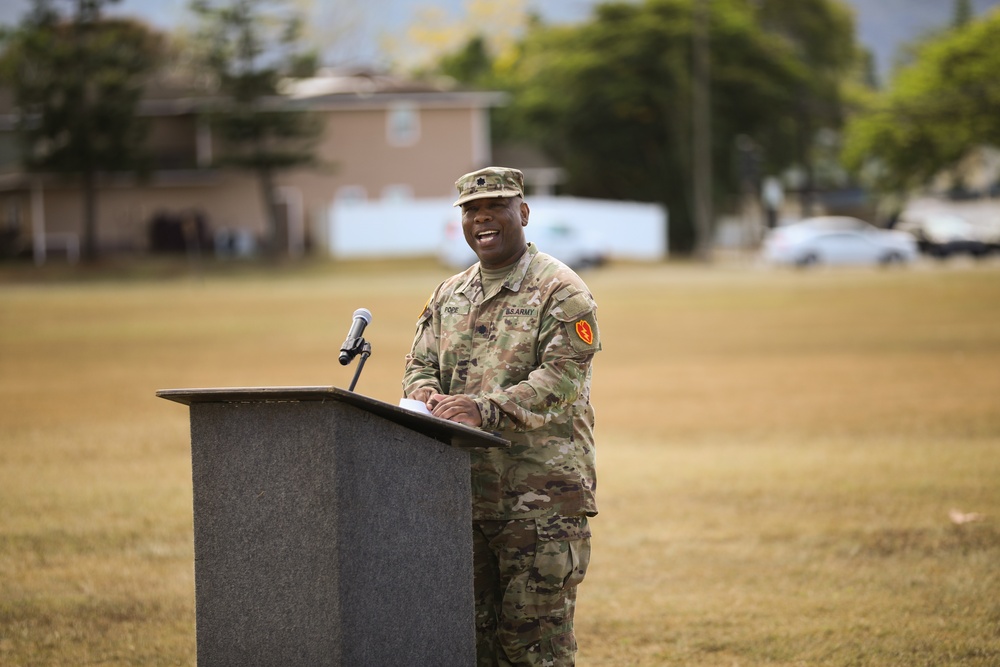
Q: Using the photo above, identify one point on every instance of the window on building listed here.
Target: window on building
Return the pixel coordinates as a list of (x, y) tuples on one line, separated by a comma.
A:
[(402, 124)]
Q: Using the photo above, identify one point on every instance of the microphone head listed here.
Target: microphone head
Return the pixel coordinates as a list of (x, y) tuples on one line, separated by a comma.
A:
[(364, 314)]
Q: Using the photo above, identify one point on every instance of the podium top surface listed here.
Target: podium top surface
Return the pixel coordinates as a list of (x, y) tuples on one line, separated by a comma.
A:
[(448, 432)]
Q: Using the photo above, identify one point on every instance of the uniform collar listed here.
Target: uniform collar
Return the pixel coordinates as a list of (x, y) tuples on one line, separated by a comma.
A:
[(516, 276), (472, 285)]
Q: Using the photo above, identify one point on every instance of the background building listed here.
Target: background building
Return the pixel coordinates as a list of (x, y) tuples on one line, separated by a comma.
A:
[(383, 138)]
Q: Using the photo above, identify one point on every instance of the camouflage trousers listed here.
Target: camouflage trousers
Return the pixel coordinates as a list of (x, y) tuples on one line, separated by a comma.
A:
[(526, 574)]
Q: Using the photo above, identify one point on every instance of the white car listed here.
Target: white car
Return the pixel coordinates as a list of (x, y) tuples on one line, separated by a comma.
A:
[(568, 244), (837, 240)]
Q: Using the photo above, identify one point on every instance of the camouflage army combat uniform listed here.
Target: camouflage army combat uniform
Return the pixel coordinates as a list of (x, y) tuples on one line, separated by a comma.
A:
[(524, 355)]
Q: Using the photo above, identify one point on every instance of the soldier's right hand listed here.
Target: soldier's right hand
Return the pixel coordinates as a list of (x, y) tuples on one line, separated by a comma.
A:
[(423, 394)]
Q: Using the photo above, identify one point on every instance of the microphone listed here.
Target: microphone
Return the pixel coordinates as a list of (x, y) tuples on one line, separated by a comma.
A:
[(351, 346)]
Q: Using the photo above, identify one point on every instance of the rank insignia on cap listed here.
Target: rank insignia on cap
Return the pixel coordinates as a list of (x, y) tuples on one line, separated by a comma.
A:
[(490, 182), (584, 331)]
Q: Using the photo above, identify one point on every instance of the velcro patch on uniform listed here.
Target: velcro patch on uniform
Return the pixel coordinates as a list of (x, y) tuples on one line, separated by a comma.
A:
[(573, 307), (584, 331)]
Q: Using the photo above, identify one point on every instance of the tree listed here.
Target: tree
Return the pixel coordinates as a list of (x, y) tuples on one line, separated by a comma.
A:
[(820, 35), (610, 99), (77, 81), (472, 63), (962, 13), (249, 46), (934, 112)]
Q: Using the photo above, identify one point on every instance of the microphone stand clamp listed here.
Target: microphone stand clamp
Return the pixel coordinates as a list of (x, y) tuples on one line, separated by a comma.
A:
[(359, 347)]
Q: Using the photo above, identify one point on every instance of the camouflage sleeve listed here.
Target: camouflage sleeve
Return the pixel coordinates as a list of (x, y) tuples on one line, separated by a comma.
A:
[(422, 369), (568, 340)]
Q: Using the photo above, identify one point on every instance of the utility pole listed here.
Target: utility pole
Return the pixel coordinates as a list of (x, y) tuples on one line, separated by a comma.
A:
[(701, 131)]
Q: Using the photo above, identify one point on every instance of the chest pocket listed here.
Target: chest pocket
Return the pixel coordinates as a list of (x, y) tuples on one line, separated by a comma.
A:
[(455, 344), (516, 339), (455, 335)]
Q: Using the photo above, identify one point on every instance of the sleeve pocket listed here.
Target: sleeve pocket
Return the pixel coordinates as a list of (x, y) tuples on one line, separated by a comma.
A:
[(571, 307), (577, 313)]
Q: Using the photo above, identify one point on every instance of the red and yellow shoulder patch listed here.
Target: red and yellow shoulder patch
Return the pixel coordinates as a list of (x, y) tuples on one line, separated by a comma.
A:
[(584, 331)]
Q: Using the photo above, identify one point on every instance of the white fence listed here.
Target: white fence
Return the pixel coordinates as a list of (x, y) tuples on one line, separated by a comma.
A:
[(403, 228)]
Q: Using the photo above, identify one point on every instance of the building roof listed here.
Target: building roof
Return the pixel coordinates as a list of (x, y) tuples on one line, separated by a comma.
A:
[(330, 89), (355, 88)]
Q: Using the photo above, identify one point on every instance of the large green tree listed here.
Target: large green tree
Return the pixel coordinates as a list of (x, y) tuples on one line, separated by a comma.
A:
[(611, 99), (819, 35), (934, 112), (250, 46), (962, 13), (77, 78)]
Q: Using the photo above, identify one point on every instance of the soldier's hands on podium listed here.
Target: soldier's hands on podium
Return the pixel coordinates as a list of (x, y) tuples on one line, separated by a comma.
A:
[(459, 408), (423, 394)]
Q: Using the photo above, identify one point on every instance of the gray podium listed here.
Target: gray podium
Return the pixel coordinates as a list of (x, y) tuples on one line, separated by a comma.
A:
[(329, 529)]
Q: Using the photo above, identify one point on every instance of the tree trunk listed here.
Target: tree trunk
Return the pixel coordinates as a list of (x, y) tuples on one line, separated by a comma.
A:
[(89, 188), (701, 131), (272, 233), (805, 138)]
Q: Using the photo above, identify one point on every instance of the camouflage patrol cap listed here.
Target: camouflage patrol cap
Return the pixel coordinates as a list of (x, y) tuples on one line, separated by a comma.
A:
[(490, 182)]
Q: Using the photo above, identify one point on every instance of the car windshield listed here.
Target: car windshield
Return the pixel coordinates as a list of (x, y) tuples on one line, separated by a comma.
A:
[(836, 223)]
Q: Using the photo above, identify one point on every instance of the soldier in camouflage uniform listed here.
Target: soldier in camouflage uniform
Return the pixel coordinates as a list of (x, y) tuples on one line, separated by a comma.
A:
[(507, 346)]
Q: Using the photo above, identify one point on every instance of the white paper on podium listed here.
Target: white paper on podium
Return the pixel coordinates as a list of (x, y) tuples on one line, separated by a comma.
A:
[(414, 406)]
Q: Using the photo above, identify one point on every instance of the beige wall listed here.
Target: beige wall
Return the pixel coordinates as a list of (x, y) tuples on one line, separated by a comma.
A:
[(354, 145), (355, 141), (124, 212)]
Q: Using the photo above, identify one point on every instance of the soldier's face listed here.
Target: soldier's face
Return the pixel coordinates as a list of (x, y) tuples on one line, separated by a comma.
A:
[(494, 229)]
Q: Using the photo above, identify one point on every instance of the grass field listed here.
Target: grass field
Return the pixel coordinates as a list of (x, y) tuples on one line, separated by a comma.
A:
[(778, 455)]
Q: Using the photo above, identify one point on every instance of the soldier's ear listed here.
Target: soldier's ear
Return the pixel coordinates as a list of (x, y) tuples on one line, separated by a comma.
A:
[(525, 211)]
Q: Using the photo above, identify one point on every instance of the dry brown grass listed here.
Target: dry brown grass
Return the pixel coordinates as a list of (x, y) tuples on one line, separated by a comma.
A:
[(778, 453)]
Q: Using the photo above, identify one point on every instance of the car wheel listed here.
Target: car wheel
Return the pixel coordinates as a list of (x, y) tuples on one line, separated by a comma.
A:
[(891, 258), (807, 260)]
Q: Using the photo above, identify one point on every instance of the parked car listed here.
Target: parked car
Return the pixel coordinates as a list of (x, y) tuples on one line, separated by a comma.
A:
[(837, 240), (942, 234), (568, 244), (837, 223)]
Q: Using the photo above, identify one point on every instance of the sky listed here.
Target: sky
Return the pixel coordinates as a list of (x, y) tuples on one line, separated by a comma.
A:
[(360, 26), (368, 21)]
